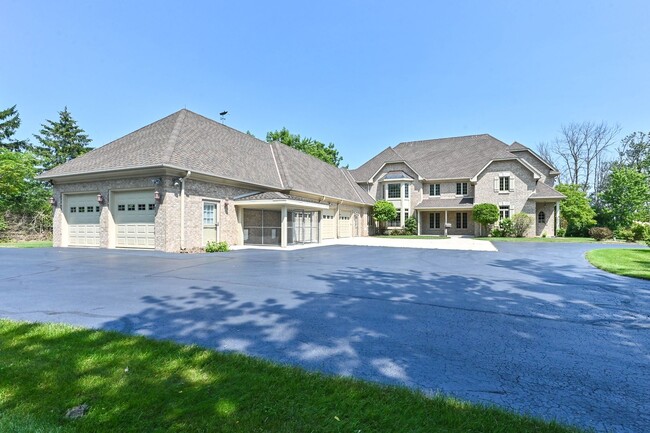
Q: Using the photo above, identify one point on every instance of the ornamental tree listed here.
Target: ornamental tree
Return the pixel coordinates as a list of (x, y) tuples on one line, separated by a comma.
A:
[(382, 212), (485, 214), (575, 210)]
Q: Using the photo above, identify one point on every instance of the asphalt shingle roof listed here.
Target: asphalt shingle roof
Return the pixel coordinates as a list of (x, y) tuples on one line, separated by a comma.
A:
[(189, 141), (437, 202), (542, 190), (274, 195)]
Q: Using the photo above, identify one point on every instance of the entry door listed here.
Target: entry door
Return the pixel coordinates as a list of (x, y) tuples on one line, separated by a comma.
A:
[(210, 223)]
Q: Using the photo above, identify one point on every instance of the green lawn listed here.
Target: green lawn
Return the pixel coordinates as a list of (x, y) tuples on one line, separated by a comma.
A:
[(560, 240), (409, 237), (627, 262), (133, 384), (27, 244)]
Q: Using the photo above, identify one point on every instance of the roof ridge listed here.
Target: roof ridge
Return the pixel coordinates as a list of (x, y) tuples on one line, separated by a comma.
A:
[(347, 177), (283, 165), (277, 166), (223, 125), (447, 138), (173, 137)]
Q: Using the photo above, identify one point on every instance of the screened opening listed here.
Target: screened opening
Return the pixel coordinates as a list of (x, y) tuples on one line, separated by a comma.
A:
[(264, 227)]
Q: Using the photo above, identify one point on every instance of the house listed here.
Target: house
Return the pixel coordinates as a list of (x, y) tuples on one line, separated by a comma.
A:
[(186, 180), (440, 180)]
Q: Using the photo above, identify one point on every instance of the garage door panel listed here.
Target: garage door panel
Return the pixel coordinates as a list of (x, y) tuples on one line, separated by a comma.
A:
[(135, 219), (345, 224), (328, 225), (82, 216)]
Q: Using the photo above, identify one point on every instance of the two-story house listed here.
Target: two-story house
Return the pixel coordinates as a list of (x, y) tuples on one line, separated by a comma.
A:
[(439, 181)]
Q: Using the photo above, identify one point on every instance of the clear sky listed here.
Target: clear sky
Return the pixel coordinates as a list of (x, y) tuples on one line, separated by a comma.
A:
[(361, 74)]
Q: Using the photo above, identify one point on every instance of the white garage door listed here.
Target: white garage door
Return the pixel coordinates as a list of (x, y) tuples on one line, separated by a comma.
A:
[(82, 215), (134, 212), (345, 224), (328, 224)]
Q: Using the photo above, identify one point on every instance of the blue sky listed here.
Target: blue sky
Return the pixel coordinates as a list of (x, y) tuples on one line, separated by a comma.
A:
[(361, 74)]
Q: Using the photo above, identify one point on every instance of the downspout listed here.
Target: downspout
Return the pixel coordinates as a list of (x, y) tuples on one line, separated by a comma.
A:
[(182, 179)]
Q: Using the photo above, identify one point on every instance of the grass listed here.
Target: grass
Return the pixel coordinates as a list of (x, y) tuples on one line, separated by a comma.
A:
[(410, 237), (558, 240), (46, 369), (27, 244), (627, 262)]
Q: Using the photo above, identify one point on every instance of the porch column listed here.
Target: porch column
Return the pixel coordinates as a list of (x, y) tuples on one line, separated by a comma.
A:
[(320, 227), (419, 222), (557, 217), (445, 222), (283, 230)]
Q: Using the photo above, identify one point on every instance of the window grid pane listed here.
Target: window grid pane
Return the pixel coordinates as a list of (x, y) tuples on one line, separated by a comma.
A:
[(394, 190)]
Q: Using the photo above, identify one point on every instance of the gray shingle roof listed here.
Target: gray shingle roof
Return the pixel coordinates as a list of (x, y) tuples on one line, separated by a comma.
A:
[(543, 191), (189, 141), (365, 172), (515, 146), (274, 195), (446, 203)]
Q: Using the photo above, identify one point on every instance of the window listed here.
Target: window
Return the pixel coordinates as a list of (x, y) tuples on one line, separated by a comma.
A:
[(96, 208), (406, 190), (82, 209), (152, 206), (90, 208), (73, 209), (130, 207), (142, 207), (541, 217), (406, 215), (461, 220), (504, 212), (397, 222), (434, 189), (394, 190), (120, 207), (434, 220), (504, 183), (461, 188), (208, 213)]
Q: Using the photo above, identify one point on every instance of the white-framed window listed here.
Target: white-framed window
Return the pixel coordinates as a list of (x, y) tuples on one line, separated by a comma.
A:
[(461, 188), (504, 183), (406, 190), (121, 207), (394, 190), (434, 220), (541, 217), (504, 212), (208, 214), (397, 222), (461, 220), (434, 189)]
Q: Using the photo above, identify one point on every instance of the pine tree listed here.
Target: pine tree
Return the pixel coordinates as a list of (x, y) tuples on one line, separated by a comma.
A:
[(61, 141), (9, 124)]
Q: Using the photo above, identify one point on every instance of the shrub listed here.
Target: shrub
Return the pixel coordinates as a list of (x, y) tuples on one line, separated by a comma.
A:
[(640, 231), (216, 247), (600, 233), (506, 227), (382, 212), (411, 226), (397, 232), (496, 233), (520, 224), (560, 233), (624, 234), (543, 234)]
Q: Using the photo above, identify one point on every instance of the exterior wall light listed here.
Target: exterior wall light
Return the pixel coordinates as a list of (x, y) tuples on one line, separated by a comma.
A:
[(156, 196), (53, 201), (100, 198)]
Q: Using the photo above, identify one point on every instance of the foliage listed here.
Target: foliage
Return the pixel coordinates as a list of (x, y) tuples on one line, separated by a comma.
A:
[(411, 226), (560, 232), (640, 231), (624, 234), (327, 153), (575, 210), (135, 384), (20, 192), (9, 124), (3, 224), (485, 213), (382, 212), (216, 247), (397, 232), (600, 233), (630, 262), (61, 141), (626, 197), (520, 224), (635, 152), (504, 229)]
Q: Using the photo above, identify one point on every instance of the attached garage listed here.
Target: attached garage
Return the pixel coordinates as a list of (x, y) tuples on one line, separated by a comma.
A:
[(82, 216), (134, 213), (345, 224), (328, 224)]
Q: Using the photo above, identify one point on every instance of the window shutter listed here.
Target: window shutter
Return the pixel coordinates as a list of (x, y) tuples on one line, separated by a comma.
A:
[(496, 183), (512, 183)]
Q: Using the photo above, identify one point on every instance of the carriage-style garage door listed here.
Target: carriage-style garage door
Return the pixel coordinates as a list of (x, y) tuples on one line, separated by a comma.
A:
[(82, 215), (134, 213), (328, 224), (345, 224)]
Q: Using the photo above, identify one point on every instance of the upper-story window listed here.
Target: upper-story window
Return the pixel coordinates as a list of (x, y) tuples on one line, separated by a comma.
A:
[(504, 183), (406, 190), (394, 190), (434, 189), (461, 188)]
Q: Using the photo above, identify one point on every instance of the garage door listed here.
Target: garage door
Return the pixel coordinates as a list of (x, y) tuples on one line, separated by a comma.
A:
[(82, 215), (345, 224), (328, 224), (134, 213)]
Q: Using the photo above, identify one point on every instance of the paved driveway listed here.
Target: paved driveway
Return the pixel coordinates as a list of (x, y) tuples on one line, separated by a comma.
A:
[(532, 327)]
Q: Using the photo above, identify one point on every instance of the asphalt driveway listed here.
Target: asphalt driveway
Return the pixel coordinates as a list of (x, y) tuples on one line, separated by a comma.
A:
[(532, 327)]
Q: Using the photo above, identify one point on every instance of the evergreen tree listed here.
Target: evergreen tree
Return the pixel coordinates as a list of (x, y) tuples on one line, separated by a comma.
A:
[(61, 141), (9, 124)]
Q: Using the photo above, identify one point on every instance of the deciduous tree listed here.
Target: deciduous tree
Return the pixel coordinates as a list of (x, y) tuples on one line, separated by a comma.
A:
[(575, 210), (626, 197), (327, 153)]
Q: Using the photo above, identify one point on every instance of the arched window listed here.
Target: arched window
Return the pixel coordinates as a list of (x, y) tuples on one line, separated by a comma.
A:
[(541, 217)]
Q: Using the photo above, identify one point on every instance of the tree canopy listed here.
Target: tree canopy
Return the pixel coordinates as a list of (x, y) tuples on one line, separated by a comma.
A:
[(626, 197), (327, 153), (20, 192), (9, 124), (575, 210), (61, 141), (635, 152), (485, 213)]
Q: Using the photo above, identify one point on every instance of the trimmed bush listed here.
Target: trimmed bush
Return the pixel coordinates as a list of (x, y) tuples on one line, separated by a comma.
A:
[(624, 234), (520, 224), (640, 231), (411, 226), (503, 229), (397, 232), (560, 233), (216, 247), (382, 212), (600, 233), (485, 214)]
